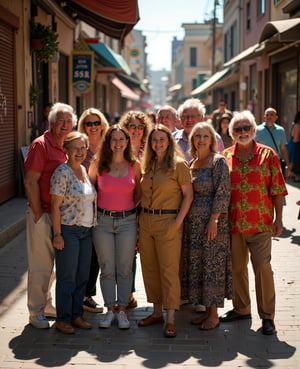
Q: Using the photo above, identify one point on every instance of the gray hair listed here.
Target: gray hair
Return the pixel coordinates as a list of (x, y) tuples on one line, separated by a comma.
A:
[(240, 116), (57, 107), (167, 107), (192, 104)]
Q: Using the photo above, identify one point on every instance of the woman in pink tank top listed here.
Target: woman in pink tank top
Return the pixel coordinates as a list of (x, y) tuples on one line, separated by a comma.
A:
[(116, 174)]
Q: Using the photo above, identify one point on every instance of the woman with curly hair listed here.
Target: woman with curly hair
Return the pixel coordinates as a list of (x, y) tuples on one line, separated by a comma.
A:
[(116, 174), (166, 197), (93, 123), (138, 125)]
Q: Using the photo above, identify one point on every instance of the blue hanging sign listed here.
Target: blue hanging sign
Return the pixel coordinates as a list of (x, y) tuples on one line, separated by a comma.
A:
[(82, 70)]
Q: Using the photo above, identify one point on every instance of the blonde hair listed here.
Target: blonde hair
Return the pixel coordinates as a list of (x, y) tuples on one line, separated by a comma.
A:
[(127, 117), (213, 145), (172, 154), (99, 114)]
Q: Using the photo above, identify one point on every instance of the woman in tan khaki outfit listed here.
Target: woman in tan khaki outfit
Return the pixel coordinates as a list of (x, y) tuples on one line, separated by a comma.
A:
[(166, 197)]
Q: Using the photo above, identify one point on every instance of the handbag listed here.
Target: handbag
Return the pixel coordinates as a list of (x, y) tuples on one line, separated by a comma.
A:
[(282, 161)]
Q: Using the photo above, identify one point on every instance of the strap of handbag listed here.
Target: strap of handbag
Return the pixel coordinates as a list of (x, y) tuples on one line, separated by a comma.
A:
[(277, 149)]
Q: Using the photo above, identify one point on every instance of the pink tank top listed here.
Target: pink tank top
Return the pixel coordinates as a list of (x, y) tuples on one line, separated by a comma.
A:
[(116, 193)]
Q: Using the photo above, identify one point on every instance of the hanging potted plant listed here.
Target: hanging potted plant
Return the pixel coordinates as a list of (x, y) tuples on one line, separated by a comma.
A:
[(43, 41)]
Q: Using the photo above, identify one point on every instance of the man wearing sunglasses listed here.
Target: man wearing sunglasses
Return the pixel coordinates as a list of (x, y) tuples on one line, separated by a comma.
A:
[(255, 215), (271, 134)]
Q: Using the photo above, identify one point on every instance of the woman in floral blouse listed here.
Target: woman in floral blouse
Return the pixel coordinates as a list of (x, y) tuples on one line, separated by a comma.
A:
[(73, 212)]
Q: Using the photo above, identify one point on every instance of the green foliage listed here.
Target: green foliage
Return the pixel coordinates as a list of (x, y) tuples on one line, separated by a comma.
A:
[(48, 39)]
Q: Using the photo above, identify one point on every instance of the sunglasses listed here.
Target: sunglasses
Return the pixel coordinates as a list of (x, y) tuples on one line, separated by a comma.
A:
[(91, 124), (241, 129), (140, 127)]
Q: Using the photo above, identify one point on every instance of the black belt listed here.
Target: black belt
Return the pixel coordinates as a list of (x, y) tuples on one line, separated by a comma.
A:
[(158, 211), (117, 214)]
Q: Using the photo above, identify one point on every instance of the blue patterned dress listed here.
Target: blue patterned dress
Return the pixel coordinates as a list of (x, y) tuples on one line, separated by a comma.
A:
[(206, 265)]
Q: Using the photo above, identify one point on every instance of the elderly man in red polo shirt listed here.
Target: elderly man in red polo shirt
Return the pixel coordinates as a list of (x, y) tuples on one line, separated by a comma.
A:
[(45, 154), (255, 215)]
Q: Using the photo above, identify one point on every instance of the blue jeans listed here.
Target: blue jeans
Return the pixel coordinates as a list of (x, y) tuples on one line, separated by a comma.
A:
[(72, 271), (114, 240)]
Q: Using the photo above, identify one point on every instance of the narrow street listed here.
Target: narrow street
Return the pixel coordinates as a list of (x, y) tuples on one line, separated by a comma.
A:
[(232, 345)]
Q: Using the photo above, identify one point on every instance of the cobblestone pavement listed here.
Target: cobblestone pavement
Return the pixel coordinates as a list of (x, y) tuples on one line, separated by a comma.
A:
[(232, 345)]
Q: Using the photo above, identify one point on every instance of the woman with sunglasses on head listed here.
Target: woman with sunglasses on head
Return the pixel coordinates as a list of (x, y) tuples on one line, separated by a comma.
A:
[(116, 174), (93, 123), (138, 125)]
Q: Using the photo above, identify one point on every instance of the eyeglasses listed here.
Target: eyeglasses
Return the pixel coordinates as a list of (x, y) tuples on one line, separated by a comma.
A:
[(241, 129), (91, 124), (192, 117), (140, 127)]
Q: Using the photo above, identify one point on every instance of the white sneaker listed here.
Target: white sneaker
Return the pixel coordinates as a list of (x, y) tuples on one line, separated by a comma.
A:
[(106, 322), (39, 321), (123, 322), (50, 311), (199, 308)]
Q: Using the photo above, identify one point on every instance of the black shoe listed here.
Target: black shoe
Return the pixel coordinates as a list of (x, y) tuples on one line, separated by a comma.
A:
[(231, 316), (89, 304), (268, 327)]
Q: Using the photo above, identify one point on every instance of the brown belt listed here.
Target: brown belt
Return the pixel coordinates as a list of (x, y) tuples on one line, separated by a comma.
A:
[(117, 214), (160, 211)]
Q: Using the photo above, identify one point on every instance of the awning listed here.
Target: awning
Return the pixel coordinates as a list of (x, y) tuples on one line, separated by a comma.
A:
[(176, 87), (115, 18), (287, 30), (243, 55), (211, 81), (108, 58), (133, 81), (126, 92)]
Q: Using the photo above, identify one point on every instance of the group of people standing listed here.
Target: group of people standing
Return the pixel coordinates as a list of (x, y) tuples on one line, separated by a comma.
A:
[(100, 194)]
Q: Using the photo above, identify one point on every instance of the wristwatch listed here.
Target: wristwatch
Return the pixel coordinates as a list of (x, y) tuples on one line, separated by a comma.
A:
[(216, 220)]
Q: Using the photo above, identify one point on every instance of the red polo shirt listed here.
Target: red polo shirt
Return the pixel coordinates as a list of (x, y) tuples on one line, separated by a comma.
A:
[(44, 156)]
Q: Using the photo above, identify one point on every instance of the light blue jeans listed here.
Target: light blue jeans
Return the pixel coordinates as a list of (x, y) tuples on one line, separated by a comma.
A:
[(114, 240)]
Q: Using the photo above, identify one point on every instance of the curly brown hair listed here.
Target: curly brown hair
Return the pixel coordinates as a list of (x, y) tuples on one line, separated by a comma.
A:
[(140, 116)]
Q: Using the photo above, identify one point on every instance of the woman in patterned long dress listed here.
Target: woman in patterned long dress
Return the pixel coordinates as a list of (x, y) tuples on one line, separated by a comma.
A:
[(206, 269)]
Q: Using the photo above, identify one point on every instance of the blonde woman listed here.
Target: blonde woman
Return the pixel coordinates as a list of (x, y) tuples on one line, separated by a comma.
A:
[(93, 123)]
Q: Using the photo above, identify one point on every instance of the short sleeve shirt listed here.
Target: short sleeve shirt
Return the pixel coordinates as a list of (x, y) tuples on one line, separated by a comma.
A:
[(44, 156), (64, 183), (161, 189), (263, 136), (253, 184)]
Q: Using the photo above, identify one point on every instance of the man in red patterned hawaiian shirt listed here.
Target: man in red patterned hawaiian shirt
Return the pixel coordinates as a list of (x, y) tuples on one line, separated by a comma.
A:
[(257, 192)]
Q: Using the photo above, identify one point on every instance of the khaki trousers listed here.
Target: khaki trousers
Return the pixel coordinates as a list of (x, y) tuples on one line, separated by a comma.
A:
[(259, 247), (40, 255), (160, 249)]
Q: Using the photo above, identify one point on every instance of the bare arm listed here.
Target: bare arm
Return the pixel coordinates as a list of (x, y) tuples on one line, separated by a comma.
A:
[(137, 191), (58, 241), (285, 156), (31, 183), (188, 194), (93, 172), (278, 202)]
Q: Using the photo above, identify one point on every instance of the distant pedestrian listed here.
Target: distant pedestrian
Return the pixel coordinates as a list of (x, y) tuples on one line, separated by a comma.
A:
[(223, 124), (273, 135), (222, 109)]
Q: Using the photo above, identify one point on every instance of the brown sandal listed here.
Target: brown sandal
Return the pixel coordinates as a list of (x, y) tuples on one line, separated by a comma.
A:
[(209, 324), (198, 320), (150, 320), (170, 330)]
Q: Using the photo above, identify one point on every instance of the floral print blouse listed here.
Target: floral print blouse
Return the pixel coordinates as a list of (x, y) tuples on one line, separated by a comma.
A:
[(65, 183)]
